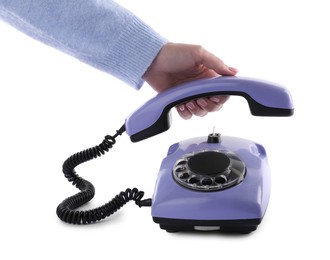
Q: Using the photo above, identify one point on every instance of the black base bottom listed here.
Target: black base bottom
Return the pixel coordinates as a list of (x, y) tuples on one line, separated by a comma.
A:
[(240, 226)]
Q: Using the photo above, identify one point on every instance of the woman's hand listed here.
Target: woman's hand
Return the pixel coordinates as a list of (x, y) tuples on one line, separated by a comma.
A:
[(177, 63)]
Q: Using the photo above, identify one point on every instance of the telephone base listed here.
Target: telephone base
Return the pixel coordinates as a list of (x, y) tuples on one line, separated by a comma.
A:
[(240, 226)]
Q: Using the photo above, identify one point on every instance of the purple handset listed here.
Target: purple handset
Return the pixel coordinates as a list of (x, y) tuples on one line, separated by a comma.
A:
[(264, 99)]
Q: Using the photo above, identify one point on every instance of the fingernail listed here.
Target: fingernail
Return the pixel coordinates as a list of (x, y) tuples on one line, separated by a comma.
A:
[(190, 105), (233, 69), (202, 102), (215, 99), (181, 108)]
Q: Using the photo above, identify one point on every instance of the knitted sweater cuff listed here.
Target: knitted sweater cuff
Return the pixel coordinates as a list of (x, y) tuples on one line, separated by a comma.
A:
[(133, 52)]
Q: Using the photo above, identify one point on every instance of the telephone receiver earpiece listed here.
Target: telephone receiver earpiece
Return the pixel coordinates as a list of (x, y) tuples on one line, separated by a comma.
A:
[(264, 99)]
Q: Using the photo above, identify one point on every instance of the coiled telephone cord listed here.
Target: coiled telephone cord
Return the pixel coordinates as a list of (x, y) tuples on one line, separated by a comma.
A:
[(67, 209)]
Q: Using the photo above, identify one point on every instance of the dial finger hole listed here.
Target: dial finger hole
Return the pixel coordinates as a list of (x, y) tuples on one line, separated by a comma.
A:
[(222, 179)]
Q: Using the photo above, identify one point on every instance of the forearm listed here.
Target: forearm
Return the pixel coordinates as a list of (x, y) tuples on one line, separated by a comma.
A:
[(100, 33)]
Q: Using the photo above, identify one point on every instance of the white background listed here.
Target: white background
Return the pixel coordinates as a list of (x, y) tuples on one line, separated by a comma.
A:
[(52, 106)]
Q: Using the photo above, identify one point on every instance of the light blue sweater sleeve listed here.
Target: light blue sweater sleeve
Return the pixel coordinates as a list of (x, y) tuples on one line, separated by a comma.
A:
[(100, 33)]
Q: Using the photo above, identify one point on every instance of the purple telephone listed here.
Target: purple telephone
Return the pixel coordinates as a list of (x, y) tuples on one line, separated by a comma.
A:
[(206, 183)]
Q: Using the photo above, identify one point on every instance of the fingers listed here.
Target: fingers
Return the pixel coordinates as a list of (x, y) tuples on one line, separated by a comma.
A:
[(187, 110), (201, 106), (219, 100), (195, 108), (184, 112)]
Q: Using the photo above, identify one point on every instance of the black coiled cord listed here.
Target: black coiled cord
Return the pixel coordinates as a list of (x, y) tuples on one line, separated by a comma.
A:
[(67, 212)]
